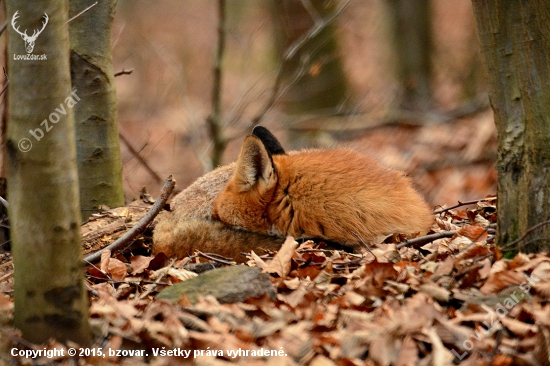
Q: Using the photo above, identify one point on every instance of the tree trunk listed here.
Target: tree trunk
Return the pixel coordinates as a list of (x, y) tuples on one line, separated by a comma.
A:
[(96, 124), (515, 44), (413, 46), (215, 120), (315, 72), (50, 299)]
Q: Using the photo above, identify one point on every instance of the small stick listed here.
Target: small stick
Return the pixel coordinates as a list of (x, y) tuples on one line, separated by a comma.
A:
[(82, 12), (214, 257), (421, 240), (124, 72), (142, 160), (472, 202), (141, 225)]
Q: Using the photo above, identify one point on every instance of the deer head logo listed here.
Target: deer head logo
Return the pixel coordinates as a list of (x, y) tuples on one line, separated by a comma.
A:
[(29, 41)]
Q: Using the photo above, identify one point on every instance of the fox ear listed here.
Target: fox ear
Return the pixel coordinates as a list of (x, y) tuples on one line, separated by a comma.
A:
[(254, 164), (272, 145)]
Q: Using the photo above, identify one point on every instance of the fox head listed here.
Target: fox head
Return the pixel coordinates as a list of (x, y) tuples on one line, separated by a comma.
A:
[(243, 202)]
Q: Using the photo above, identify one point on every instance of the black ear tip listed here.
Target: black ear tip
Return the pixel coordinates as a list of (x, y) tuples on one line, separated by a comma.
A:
[(272, 145), (259, 130)]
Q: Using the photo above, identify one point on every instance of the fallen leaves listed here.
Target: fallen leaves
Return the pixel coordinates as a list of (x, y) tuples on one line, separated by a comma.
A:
[(454, 300)]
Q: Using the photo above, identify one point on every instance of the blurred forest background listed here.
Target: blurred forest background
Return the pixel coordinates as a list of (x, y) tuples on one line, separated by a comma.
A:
[(397, 79)]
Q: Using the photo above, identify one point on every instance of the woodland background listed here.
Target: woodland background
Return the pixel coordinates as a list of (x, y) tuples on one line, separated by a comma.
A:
[(164, 103), (421, 301)]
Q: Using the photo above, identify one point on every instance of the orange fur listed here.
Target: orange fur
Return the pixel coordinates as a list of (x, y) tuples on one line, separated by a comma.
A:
[(336, 194)]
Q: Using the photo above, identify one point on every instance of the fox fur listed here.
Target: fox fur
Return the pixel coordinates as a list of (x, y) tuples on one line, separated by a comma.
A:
[(189, 225), (336, 194)]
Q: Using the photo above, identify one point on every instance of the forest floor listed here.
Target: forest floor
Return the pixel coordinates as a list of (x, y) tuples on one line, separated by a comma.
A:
[(448, 298)]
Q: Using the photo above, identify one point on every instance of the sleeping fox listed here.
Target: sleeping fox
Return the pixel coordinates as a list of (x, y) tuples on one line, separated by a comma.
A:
[(337, 195)]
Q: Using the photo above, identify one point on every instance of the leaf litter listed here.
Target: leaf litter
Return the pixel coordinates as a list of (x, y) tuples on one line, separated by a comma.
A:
[(455, 300)]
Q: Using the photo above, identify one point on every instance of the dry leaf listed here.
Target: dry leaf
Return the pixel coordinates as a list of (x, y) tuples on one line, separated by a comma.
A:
[(116, 269), (281, 263), (139, 263)]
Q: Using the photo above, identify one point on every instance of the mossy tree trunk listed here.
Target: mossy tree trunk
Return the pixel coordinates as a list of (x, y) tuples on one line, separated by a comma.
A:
[(515, 45), (50, 299), (96, 123)]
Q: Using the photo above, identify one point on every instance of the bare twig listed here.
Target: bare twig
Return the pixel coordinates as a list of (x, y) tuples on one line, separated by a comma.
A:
[(4, 27), (5, 87), (364, 243), (472, 202), (313, 13), (82, 12), (276, 93), (529, 231), (315, 30), (141, 225), (4, 202), (359, 122), (215, 258), (124, 72), (421, 240), (142, 160), (214, 121)]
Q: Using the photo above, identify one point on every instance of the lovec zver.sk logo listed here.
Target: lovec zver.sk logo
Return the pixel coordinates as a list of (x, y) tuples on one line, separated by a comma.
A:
[(29, 40)]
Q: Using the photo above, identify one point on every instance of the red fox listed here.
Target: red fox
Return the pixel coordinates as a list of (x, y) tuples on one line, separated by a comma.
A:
[(336, 194)]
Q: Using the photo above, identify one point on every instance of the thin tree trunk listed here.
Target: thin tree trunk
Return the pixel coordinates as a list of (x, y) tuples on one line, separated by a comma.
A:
[(96, 123), (315, 74), (215, 120), (50, 299), (413, 46), (515, 44)]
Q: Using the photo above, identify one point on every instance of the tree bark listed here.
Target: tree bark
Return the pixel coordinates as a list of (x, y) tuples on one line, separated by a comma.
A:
[(96, 123), (413, 46), (515, 45), (50, 299), (215, 120), (315, 74)]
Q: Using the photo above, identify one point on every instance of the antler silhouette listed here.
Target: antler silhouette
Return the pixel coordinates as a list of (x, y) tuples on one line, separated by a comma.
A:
[(29, 41)]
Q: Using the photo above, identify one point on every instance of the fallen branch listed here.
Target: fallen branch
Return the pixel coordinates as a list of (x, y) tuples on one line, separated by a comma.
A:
[(141, 225), (472, 202), (421, 240)]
